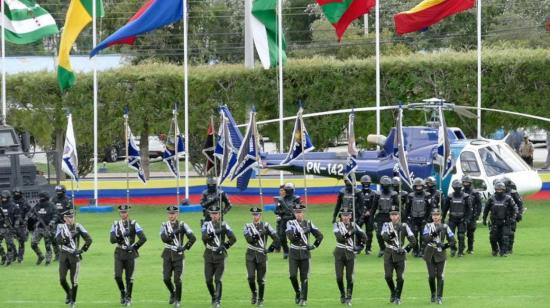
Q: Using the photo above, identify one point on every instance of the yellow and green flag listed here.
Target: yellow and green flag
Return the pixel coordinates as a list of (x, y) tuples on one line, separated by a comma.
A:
[(79, 15)]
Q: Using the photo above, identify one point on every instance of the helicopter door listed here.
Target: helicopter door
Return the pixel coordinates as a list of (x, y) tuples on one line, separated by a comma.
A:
[(469, 165)]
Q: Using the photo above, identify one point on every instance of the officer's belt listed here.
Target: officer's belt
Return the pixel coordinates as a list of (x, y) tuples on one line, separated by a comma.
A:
[(298, 247), (258, 249), (339, 245), (392, 247), (67, 249), (123, 246), (213, 248), (434, 245), (171, 247)]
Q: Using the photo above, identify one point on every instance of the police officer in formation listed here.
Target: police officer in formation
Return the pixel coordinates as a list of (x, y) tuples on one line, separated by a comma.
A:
[(458, 205), (345, 199), (284, 212), (62, 203), (213, 196), (383, 202), (511, 190), (350, 240), (218, 237), (256, 234), (503, 211), (298, 232), (68, 237), (476, 206), (438, 237), (9, 219), (396, 185), (123, 234), (172, 234), (435, 195), (394, 234), (22, 207), (367, 217), (45, 216), (417, 211)]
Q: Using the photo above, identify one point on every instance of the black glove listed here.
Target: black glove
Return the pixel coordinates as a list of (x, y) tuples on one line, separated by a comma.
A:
[(434, 234), (221, 249), (66, 241), (311, 247), (270, 249), (408, 248), (180, 248), (348, 235), (77, 252), (519, 218), (401, 251), (211, 235), (187, 246)]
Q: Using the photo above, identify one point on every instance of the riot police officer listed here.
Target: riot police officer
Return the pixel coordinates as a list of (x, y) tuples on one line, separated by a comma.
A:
[(383, 202), (368, 216), (284, 210), (458, 205), (435, 195), (298, 231), (395, 254), (256, 234), (417, 211), (435, 234), (475, 202), (396, 186), (68, 237), (503, 211), (172, 234), (8, 223), (45, 215), (350, 240), (346, 198), (21, 231), (123, 234), (511, 190), (62, 203), (211, 196), (214, 234)]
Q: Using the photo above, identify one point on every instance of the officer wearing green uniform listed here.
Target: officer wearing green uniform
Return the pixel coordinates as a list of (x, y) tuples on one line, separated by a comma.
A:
[(350, 240), (383, 202), (284, 210), (62, 204), (23, 209), (368, 215), (123, 234), (8, 221), (435, 234), (214, 234), (68, 237), (345, 200), (172, 234), (213, 196), (297, 232), (475, 202), (256, 234), (503, 211), (45, 216), (395, 254)]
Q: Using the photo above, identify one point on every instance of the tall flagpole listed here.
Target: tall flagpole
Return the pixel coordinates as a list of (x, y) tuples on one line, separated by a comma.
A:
[(304, 155), (177, 154), (478, 68), (280, 59), (377, 26), (257, 146), (186, 100), (127, 159), (4, 109), (94, 42)]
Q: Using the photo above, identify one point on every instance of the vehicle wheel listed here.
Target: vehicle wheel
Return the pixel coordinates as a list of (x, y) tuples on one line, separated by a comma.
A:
[(111, 155)]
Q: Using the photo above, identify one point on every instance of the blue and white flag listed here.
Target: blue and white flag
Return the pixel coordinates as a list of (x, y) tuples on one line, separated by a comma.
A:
[(400, 153), (134, 159), (69, 163), (301, 142), (248, 155), (351, 164), (444, 147), (229, 142), (172, 153)]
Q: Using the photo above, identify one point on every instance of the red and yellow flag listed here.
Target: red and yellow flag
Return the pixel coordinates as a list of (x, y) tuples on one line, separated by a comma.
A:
[(427, 13)]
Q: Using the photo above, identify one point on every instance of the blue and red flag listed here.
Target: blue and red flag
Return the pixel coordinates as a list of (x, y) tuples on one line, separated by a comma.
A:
[(152, 15)]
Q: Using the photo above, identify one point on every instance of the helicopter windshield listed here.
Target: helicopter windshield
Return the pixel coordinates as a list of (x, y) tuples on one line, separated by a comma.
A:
[(494, 164), (6, 139)]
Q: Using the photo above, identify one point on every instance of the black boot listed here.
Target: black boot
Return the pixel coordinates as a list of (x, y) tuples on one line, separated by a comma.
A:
[(170, 288), (398, 290), (296, 288), (120, 286), (73, 294), (218, 292), (178, 292), (349, 293), (261, 290), (440, 283), (252, 285), (129, 288), (340, 284), (210, 287), (431, 281), (391, 286), (304, 289)]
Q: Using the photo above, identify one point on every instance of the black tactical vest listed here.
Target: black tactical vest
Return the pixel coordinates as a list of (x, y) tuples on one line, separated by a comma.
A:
[(384, 203), (499, 209), (457, 205), (418, 208)]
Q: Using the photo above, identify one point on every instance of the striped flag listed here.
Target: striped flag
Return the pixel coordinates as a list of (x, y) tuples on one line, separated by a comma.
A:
[(134, 159), (351, 164), (399, 151), (444, 146), (248, 155), (224, 149), (27, 22), (301, 142), (173, 147), (69, 163), (263, 21), (341, 13)]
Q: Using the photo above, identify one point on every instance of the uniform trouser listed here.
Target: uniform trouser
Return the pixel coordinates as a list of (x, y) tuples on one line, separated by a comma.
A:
[(512, 236), (256, 271), (499, 236), (69, 263), (127, 266), (37, 235), (302, 266), (342, 263), (379, 223), (22, 235), (172, 267), (436, 276), (7, 235), (213, 274), (281, 232), (458, 227), (369, 230), (399, 268), (417, 227), (470, 233)]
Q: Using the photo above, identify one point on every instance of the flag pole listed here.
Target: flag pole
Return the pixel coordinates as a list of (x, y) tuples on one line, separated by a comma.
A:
[(377, 26), (303, 155), (176, 154), (186, 99), (94, 42), (280, 60), (127, 158), (4, 109), (257, 146), (214, 145), (478, 69)]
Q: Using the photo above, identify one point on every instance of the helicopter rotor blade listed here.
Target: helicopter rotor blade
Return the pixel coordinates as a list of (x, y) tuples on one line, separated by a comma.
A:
[(525, 115), (462, 112)]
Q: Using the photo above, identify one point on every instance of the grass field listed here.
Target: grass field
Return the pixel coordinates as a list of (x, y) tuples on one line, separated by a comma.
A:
[(522, 280)]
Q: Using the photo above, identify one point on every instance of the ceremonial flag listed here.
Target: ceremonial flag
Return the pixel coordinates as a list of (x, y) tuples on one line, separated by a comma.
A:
[(301, 142), (171, 152), (79, 15), (400, 152), (27, 22), (444, 146), (69, 163), (224, 149), (351, 164), (152, 15), (340, 13), (427, 13), (134, 159), (263, 21), (209, 147), (247, 157)]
